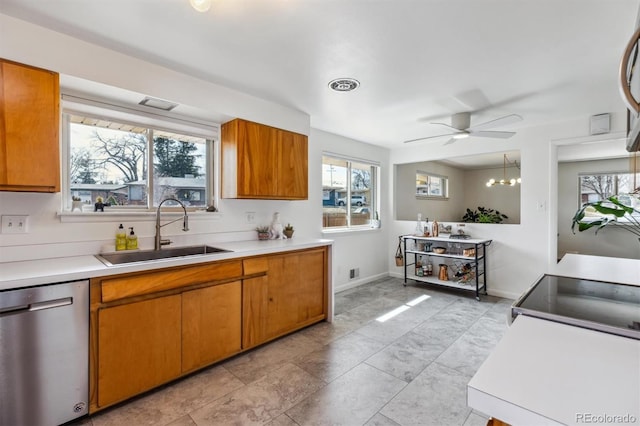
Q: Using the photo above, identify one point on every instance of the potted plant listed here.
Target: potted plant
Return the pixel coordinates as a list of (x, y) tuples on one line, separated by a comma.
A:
[(263, 232), (609, 211), (76, 203), (288, 230), (483, 215)]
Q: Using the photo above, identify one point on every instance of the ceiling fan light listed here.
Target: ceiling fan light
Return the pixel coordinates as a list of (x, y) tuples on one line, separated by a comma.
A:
[(201, 5), (460, 136)]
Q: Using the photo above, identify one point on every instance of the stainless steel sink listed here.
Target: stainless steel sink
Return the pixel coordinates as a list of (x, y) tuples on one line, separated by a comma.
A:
[(111, 259)]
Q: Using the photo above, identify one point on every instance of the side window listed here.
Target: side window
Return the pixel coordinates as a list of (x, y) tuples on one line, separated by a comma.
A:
[(349, 193)]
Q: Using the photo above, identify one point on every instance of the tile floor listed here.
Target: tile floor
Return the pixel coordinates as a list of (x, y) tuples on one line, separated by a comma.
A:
[(409, 370)]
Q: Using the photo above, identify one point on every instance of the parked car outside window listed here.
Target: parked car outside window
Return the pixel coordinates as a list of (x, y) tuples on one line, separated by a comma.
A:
[(356, 200)]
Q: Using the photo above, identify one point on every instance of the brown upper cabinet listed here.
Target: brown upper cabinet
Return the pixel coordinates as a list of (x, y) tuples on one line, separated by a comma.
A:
[(263, 162), (29, 128)]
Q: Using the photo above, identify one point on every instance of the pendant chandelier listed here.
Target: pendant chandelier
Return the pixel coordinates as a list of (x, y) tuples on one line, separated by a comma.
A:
[(201, 5), (511, 182)]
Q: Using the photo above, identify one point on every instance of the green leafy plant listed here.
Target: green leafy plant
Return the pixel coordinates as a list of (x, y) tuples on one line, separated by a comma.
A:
[(612, 209), (289, 227), (483, 215), (262, 229)]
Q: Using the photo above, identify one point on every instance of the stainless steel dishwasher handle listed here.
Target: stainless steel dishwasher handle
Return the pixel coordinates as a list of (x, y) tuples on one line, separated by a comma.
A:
[(38, 306)]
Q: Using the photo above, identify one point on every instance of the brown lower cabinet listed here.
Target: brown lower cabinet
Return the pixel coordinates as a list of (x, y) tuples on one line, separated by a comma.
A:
[(149, 328)]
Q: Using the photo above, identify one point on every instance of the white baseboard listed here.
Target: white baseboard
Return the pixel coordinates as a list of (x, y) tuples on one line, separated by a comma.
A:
[(358, 282)]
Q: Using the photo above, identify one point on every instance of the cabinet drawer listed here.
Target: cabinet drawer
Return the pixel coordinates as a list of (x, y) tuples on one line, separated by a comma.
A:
[(152, 282)]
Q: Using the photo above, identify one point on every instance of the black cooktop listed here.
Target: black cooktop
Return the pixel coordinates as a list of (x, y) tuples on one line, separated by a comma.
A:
[(598, 305)]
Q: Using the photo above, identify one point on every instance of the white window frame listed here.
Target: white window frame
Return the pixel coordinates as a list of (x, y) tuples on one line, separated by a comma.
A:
[(373, 202), (80, 105)]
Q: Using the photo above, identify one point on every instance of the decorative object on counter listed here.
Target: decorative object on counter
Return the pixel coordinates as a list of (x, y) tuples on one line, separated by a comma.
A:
[(435, 231), (132, 240), (469, 252), (399, 257), (288, 231), (263, 232), (121, 238), (212, 209), (604, 213), (76, 203), (98, 206), (443, 274), (276, 230), (460, 229), (483, 215), (439, 250), (444, 229)]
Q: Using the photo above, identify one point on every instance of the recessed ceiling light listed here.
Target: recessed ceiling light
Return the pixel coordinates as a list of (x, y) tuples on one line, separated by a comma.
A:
[(158, 103), (344, 84)]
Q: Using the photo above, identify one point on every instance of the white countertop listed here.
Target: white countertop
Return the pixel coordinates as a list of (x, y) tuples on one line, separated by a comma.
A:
[(46, 271), (447, 239), (547, 373), (599, 268)]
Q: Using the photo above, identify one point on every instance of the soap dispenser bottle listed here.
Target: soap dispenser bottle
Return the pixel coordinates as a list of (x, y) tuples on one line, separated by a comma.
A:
[(121, 238), (132, 240)]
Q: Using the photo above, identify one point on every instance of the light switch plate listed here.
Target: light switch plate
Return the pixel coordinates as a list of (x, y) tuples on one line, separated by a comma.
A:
[(16, 224)]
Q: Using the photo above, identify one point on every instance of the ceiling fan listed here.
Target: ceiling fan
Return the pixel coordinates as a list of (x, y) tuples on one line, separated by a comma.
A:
[(461, 128)]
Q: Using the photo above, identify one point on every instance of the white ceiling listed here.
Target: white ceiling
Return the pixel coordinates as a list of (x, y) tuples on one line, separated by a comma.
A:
[(417, 60)]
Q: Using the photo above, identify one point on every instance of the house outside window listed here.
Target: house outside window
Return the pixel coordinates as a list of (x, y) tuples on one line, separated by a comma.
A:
[(597, 187), (350, 197), (135, 167)]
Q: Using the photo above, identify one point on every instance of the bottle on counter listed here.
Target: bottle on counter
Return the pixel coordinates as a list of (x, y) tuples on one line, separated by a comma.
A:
[(121, 238), (132, 240), (434, 229)]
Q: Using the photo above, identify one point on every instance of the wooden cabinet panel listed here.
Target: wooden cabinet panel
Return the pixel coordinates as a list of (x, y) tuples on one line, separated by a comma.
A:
[(211, 324), (138, 347), (293, 176), (291, 295), (255, 299), (29, 128), (263, 162), (153, 282)]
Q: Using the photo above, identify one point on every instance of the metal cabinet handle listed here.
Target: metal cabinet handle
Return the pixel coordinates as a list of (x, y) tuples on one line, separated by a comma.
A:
[(38, 306)]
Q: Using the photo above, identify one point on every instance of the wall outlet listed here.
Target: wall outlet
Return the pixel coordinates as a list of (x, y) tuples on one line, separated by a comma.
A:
[(354, 273), (250, 217), (18, 224)]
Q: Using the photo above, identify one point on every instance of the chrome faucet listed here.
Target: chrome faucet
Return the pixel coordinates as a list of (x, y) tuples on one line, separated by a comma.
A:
[(185, 223)]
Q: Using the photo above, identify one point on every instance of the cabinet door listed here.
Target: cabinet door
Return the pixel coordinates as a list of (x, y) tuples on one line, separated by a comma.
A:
[(138, 347), (257, 160), (211, 324), (255, 300), (29, 129), (292, 180)]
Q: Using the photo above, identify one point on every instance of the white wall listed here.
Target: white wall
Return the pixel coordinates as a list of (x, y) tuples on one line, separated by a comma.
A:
[(365, 250)]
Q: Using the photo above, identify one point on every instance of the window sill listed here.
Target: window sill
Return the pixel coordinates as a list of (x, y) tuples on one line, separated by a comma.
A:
[(345, 231), (129, 216)]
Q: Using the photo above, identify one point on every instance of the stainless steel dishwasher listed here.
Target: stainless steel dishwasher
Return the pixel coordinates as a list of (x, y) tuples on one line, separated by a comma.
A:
[(44, 354)]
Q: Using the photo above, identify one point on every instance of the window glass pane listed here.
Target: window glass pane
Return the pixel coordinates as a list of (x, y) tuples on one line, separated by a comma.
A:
[(179, 168), (599, 187), (349, 196), (107, 160)]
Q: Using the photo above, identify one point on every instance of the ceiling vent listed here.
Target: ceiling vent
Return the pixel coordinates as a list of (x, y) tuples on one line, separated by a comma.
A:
[(158, 104), (344, 84)]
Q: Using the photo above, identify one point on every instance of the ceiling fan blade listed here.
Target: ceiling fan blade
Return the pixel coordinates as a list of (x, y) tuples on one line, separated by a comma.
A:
[(502, 121), (492, 134), (428, 137), (447, 126)]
